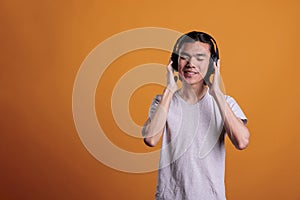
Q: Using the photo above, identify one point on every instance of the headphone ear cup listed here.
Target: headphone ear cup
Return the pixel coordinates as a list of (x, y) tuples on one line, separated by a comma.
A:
[(174, 58), (211, 68), (214, 58)]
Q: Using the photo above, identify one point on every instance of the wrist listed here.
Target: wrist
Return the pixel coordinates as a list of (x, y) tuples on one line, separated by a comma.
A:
[(168, 94), (169, 90)]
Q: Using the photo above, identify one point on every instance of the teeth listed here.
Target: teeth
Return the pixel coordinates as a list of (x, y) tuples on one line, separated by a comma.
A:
[(190, 72)]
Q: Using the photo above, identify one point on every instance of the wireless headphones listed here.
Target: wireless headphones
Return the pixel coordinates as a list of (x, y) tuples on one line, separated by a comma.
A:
[(193, 37)]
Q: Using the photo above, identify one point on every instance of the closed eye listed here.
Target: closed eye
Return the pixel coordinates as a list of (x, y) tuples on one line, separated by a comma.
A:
[(184, 57)]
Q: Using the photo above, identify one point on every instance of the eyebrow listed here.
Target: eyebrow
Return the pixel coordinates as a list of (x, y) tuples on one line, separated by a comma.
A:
[(198, 54), (184, 53)]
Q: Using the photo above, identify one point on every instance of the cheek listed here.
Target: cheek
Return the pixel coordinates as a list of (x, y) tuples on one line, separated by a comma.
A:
[(203, 67), (180, 66), (181, 63)]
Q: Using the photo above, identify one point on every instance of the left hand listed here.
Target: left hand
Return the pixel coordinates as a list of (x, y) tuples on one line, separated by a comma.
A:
[(214, 87)]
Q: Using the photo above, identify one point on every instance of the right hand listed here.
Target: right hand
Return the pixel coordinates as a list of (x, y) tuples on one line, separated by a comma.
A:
[(171, 82)]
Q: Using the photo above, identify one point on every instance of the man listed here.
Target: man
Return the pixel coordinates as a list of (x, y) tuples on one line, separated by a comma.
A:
[(193, 122)]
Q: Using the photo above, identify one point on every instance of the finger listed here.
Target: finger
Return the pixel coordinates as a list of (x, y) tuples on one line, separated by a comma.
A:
[(169, 68), (217, 64), (170, 64)]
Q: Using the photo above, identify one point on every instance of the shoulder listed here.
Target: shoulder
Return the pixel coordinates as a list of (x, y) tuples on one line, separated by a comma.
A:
[(236, 108), (230, 100)]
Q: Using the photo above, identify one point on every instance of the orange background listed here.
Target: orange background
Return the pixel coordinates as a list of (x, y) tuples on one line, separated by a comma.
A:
[(43, 44)]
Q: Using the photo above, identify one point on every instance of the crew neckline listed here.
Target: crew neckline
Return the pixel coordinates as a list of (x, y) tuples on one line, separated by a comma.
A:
[(199, 101)]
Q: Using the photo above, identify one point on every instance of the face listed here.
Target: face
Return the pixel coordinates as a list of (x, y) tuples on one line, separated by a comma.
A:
[(193, 62)]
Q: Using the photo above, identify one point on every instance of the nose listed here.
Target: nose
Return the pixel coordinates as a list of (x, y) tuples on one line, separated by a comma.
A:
[(190, 63)]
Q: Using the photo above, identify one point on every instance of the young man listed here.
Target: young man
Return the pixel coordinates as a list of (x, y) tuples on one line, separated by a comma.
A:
[(193, 122)]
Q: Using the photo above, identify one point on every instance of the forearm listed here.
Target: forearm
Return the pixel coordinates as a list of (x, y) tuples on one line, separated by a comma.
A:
[(235, 128), (154, 126)]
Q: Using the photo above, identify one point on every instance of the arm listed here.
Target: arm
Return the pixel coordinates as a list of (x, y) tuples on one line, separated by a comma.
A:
[(154, 126), (236, 130)]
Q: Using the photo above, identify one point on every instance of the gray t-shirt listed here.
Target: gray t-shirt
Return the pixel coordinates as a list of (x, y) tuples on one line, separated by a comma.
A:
[(192, 160)]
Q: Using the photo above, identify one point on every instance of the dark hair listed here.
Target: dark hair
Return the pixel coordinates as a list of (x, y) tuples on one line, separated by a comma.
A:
[(194, 36)]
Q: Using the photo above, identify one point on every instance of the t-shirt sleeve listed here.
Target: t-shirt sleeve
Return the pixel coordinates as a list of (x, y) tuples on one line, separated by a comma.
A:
[(155, 102), (236, 109)]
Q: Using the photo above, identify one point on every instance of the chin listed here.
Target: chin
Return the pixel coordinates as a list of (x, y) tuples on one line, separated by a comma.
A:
[(194, 82)]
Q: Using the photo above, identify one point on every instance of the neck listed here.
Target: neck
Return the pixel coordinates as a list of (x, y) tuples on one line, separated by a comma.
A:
[(193, 93)]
